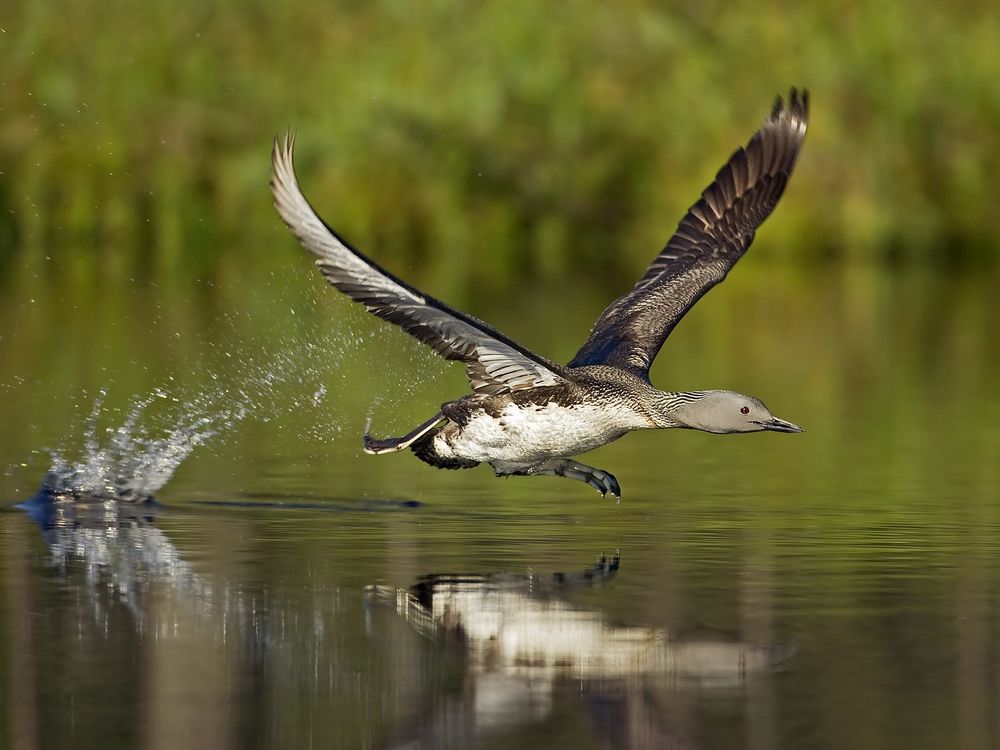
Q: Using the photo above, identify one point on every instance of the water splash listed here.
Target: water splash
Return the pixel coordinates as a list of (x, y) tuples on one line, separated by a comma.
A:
[(132, 460), (319, 395), (130, 466)]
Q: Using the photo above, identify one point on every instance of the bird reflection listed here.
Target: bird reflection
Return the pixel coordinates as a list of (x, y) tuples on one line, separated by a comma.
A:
[(218, 648), (522, 639)]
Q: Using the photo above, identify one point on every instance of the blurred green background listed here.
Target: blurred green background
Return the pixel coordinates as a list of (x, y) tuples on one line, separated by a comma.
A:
[(474, 143)]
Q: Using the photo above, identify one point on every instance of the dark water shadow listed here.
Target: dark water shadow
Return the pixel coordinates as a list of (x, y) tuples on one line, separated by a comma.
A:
[(325, 505)]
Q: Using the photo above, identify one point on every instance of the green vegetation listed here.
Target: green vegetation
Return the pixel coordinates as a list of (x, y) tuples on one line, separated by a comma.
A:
[(472, 141)]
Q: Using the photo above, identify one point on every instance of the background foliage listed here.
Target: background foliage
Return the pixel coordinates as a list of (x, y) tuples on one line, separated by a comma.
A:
[(480, 141)]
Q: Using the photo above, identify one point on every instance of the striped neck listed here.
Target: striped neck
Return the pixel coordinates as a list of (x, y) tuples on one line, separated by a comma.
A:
[(668, 405)]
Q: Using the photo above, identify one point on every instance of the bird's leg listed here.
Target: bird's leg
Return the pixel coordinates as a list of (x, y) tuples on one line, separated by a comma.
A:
[(376, 446), (602, 481)]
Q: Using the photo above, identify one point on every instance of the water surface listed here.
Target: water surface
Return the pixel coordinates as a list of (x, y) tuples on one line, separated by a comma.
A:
[(830, 589)]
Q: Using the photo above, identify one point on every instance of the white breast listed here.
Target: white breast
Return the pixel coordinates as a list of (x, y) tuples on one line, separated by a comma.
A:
[(532, 434)]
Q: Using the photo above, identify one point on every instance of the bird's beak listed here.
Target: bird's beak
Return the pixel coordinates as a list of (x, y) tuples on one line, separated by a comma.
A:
[(779, 425)]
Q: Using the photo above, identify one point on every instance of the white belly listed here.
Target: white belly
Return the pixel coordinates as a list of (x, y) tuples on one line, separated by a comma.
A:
[(532, 434)]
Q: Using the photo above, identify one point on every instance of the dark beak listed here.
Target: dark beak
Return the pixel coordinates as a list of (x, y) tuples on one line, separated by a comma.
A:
[(779, 425)]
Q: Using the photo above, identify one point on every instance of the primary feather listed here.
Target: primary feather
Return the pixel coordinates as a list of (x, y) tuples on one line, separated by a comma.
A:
[(711, 237), (494, 363)]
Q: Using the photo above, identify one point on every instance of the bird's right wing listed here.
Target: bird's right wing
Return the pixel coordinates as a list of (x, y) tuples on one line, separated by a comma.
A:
[(493, 362), (713, 235)]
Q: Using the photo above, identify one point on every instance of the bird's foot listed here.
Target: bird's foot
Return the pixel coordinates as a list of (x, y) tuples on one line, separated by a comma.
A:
[(602, 481)]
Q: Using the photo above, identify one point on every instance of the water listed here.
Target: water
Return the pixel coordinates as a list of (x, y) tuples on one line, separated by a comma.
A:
[(831, 589)]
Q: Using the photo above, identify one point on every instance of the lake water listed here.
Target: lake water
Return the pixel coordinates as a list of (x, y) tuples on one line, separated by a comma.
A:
[(834, 589)]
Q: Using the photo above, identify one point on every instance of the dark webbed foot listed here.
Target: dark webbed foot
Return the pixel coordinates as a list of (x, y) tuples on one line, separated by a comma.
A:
[(602, 481)]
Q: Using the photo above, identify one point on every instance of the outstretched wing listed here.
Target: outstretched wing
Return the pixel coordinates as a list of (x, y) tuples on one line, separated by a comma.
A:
[(713, 235), (493, 362)]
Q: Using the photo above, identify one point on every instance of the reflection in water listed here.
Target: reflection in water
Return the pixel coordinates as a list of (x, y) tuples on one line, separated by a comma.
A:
[(874, 541), (212, 658), (521, 638), (115, 549), (183, 654)]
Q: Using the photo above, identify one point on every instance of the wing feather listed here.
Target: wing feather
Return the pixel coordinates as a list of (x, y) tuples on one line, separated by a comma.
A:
[(493, 362), (711, 237)]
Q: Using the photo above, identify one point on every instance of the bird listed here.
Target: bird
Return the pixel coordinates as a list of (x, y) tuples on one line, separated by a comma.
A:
[(528, 415)]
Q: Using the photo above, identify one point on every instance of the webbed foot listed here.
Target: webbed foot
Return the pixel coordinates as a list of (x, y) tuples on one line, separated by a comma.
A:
[(602, 481)]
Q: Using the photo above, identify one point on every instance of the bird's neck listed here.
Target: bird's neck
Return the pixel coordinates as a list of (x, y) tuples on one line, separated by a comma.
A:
[(669, 407)]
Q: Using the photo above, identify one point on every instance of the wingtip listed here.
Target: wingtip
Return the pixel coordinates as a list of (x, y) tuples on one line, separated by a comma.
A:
[(282, 164), (283, 148), (797, 109), (798, 103), (778, 107)]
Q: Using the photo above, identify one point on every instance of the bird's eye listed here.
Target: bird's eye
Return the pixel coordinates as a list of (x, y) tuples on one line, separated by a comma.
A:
[(745, 410)]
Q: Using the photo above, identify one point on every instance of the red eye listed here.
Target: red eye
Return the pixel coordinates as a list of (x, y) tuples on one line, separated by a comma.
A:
[(745, 410)]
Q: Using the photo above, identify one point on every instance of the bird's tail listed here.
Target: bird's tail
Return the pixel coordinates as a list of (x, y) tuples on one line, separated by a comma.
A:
[(377, 446)]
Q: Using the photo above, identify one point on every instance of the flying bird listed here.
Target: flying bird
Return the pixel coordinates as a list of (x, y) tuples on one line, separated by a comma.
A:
[(528, 415)]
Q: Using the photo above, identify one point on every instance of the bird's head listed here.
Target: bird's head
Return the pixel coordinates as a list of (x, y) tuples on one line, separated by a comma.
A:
[(726, 411)]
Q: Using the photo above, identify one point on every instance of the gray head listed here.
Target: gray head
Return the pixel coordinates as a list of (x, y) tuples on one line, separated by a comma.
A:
[(726, 411)]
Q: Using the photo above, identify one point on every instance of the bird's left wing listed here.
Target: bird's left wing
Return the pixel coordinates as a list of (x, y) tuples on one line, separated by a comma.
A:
[(493, 362), (713, 235)]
